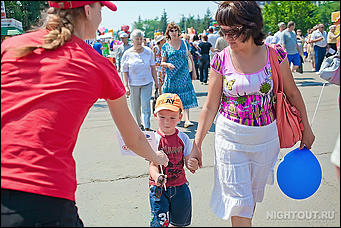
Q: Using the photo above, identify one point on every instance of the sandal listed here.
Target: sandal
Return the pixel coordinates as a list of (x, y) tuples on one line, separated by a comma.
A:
[(188, 124)]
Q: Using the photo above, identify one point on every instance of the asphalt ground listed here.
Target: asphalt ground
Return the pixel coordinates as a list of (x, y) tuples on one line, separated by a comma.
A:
[(113, 188)]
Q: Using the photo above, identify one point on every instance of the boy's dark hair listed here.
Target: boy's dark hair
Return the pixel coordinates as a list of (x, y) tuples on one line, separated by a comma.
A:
[(246, 14)]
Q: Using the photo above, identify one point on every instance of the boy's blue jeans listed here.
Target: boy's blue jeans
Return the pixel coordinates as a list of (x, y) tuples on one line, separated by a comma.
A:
[(173, 206)]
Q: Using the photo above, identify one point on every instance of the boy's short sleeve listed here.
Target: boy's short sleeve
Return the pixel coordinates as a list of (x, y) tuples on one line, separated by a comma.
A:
[(188, 144)]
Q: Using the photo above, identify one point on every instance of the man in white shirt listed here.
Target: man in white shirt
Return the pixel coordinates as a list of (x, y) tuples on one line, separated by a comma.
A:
[(278, 35), (319, 39), (269, 38), (212, 39)]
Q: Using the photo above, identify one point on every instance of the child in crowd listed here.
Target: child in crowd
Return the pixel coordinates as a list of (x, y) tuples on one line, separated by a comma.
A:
[(170, 197)]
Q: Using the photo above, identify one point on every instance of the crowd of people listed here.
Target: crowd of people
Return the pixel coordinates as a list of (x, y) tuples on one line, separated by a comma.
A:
[(50, 78), (314, 46), (167, 50)]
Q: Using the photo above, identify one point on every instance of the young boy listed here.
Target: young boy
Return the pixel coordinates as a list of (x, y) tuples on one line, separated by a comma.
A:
[(169, 195)]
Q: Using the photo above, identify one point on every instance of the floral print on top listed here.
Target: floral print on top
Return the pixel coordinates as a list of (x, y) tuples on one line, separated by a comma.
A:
[(178, 80), (247, 98), (161, 71)]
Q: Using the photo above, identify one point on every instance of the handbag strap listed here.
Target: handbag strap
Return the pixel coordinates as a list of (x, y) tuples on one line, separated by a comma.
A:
[(275, 68), (185, 46), (278, 81)]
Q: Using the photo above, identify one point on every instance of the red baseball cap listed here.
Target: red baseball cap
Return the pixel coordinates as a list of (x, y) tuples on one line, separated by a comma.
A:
[(75, 4)]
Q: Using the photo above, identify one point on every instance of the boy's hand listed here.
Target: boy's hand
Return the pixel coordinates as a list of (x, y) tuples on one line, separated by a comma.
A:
[(161, 180), (192, 164)]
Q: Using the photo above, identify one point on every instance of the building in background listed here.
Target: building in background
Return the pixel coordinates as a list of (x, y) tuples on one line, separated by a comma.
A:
[(9, 26)]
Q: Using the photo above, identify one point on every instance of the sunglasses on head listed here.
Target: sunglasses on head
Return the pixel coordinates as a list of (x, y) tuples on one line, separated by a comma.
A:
[(232, 33)]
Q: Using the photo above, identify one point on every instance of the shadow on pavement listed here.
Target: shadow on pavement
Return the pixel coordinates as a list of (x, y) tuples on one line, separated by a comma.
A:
[(310, 83), (100, 105), (304, 78), (201, 94), (190, 131)]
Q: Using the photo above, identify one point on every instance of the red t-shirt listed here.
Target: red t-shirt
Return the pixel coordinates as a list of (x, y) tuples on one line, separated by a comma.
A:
[(45, 97), (177, 147)]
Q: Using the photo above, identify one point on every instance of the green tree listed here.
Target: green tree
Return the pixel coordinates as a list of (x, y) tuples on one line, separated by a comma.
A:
[(150, 26), (206, 21), (301, 12), (197, 23), (138, 24), (147, 26), (182, 23), (185, 22), (28, 12), (324, 11), (163, 21), (190, 22)]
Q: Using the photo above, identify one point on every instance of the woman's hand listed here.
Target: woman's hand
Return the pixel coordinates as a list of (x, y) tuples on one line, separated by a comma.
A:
[(308, 138), (195, 154), (295, 98), (161, 158), (170, 66), (192, 164)]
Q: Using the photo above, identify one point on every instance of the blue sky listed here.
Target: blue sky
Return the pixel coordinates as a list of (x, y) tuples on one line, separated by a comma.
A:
[(129, 11)]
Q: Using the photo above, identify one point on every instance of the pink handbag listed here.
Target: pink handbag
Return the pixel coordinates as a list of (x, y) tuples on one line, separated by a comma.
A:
[(288, 118)]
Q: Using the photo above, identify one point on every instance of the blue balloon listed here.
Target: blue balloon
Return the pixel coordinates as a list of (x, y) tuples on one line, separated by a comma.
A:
[(299, 174)]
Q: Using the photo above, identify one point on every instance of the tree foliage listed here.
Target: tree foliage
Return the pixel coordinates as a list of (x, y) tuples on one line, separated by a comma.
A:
[(301, 12), (163, 21), (28, 12), (150, 26), (305, 14), (324, 11)]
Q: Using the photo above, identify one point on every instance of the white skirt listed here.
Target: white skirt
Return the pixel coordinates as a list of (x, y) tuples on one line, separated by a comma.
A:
[(245, 157)]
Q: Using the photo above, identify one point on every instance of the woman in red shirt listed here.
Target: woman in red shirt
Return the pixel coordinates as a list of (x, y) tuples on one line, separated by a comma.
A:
[(50, 78)]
